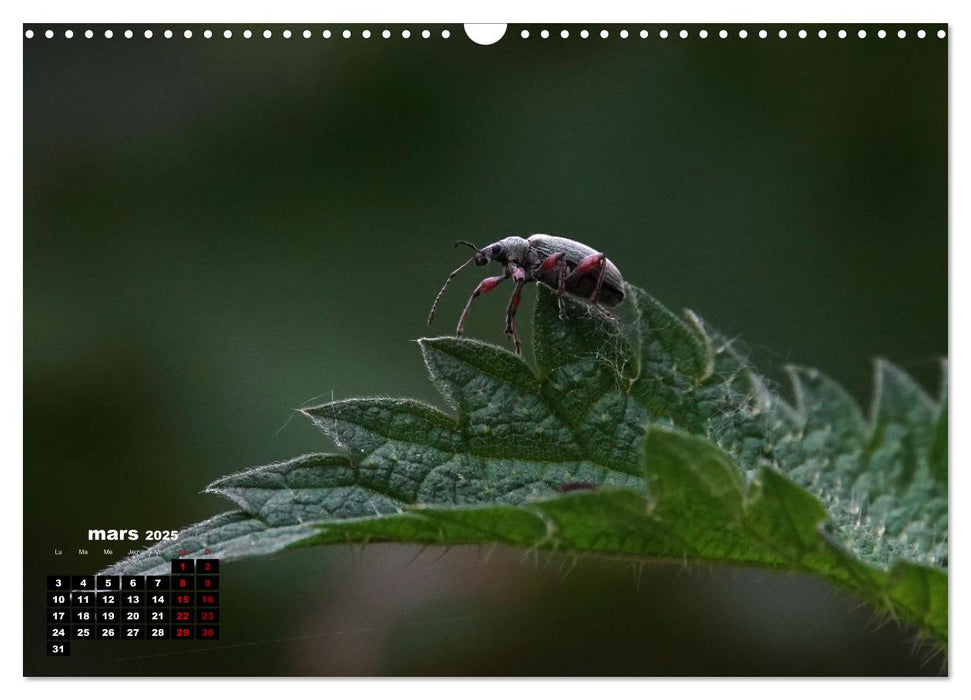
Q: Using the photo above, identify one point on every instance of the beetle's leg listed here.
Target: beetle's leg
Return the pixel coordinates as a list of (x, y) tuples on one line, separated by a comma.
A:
[(557, 260), (595, 297), (486, 285), (560, 288), (586, 265), (519, 276)]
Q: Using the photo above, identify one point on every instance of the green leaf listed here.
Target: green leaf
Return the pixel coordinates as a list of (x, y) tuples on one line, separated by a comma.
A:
[(645, 435)]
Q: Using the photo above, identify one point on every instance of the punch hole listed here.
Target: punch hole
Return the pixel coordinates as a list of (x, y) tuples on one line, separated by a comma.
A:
[(485, 34)]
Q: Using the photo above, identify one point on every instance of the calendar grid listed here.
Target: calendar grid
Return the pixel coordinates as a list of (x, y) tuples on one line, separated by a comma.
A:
[(181, 605)]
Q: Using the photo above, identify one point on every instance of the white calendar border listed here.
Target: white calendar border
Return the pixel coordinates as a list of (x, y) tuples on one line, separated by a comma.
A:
[(606, 11)]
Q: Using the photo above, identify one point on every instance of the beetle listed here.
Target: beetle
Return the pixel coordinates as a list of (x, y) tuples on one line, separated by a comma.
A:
[(566, 265)]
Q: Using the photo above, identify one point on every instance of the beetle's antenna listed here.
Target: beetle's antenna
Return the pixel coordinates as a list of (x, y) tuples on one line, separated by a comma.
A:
[(431, 314), (470, 245)]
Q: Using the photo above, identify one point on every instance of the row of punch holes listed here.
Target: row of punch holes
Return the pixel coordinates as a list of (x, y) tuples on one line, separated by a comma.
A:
[(524, 34)]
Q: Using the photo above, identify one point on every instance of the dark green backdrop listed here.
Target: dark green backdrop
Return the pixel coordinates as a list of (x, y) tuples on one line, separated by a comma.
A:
[(217, 231)]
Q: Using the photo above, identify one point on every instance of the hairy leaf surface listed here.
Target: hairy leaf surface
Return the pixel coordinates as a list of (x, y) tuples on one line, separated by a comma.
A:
[(647, 435)]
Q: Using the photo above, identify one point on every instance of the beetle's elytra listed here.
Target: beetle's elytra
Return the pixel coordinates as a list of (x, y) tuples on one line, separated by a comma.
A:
[(563, 264)]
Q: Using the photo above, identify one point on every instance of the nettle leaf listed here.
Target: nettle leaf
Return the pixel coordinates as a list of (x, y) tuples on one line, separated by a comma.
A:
[(646, 435)]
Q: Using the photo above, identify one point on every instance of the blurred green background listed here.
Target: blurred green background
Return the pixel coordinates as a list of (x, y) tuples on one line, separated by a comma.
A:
[(218, 231)]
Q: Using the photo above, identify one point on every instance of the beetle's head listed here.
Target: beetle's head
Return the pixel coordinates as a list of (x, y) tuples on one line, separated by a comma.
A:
[(497, 252)]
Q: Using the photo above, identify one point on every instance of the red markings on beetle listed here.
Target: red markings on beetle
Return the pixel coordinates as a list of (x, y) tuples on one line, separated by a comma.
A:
[(489, 283), (551, 261), (588, 263)]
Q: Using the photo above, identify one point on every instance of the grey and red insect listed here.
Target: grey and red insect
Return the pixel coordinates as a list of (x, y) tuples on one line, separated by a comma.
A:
[(563, 264)]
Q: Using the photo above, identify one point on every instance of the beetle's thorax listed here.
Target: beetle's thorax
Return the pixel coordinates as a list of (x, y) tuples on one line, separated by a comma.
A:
[(511, 249)]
